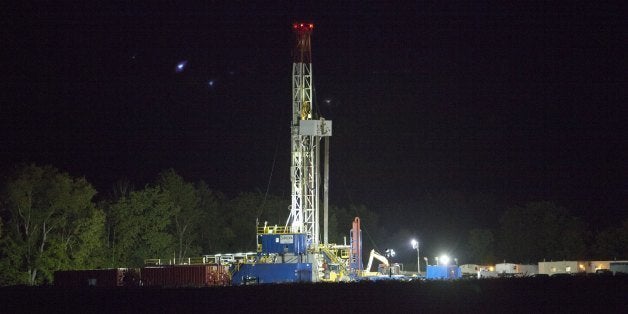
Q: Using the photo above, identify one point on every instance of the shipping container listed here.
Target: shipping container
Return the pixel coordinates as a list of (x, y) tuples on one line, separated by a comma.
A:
[(272, 273), (443, 272), (115, 277), (186, 276)]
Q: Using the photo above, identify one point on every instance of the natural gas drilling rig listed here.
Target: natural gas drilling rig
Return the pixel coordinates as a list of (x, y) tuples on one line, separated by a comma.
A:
[(294, 251)]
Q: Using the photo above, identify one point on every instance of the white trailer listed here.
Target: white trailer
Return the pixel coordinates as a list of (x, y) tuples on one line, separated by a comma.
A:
[(518, 270), (528, 270), (619, 267), (507, 268), (593, 266), (561, 267)]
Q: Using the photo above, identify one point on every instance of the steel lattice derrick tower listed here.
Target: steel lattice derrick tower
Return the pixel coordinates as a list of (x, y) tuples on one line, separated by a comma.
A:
[(306, 133)]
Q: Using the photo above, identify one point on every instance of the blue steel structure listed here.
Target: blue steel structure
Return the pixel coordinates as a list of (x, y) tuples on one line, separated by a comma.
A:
[(295, 243), (282, 257)]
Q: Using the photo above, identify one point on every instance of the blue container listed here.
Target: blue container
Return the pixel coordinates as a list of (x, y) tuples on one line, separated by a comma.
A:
[(272, 273), (443, 272), (284, 243)]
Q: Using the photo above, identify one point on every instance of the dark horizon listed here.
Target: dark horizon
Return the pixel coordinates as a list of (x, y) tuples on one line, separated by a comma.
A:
[(496, 106)]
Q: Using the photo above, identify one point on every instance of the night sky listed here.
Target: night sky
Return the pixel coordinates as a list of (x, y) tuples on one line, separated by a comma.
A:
[(477, 107)]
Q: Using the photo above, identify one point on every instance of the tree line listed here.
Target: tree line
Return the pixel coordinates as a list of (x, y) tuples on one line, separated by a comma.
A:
[(52, 221), (543, 231)]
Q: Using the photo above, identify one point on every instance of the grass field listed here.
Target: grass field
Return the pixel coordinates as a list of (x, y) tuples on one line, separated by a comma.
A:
[(529, 295)]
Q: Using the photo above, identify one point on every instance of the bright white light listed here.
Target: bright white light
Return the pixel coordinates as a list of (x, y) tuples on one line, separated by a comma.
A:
[(211, 83), (414, 243), (181, 66), (444, 259)]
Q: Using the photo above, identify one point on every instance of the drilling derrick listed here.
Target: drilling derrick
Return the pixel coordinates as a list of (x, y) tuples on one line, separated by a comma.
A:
[(293, 253), (306, 132)]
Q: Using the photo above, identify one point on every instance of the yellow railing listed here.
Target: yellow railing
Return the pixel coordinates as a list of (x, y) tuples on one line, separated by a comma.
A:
[(152, 261), (197, 260), (333, 257), (273, 229)]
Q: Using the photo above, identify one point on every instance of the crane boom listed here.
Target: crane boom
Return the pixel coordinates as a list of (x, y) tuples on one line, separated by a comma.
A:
[(377, 256)]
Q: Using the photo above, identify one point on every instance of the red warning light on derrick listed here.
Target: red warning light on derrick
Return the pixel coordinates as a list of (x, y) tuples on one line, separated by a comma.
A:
[(303, 27)]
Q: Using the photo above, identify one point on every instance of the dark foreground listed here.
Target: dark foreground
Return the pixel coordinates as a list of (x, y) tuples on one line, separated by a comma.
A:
[(533, 295)]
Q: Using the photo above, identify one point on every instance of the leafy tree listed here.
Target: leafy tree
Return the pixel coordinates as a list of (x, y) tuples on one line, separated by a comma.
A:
[(480, 246), (52, 224), (612, 243), (212, 228), (241, 214), (541, 230), (186, 212), (140, 227), (121, 189)]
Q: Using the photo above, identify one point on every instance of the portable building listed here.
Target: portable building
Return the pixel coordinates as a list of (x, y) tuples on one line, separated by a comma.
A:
[(562, 267), (528, 269), (507, 268), (619, 267), (593, 266), (470, 269)]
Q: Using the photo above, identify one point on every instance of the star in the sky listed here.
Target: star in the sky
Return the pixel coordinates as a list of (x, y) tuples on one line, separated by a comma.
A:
[(181, 66)]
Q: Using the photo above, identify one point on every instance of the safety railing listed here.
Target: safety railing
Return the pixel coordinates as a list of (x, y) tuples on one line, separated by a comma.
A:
[(333, 257), (224, 259), (152, 261), (273, 229)]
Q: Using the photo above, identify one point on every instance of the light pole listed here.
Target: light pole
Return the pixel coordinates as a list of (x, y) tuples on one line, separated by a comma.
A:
[(415, 245)]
